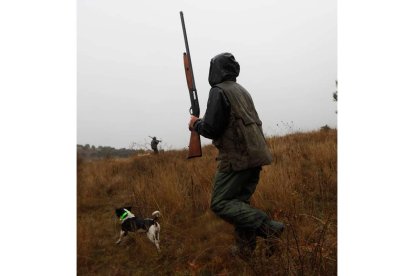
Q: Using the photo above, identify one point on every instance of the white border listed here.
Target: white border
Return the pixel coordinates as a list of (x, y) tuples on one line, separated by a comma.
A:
[(38, 137)]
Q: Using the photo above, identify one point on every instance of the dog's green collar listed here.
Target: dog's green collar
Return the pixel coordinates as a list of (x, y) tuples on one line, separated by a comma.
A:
[(123, 215)]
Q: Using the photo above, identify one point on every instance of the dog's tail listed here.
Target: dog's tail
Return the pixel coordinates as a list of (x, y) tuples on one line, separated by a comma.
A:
[(156, 215)]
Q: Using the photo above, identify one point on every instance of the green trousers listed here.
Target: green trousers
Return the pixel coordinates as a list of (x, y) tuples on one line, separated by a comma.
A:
[(231, 198)]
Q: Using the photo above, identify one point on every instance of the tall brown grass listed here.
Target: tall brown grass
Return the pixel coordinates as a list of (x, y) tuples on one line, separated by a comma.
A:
[(299, 189)]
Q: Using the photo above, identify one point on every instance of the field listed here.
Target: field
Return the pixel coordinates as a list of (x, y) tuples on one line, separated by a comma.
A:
[(299, 188)]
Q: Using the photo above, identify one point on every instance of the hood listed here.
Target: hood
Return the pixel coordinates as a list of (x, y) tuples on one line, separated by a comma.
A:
[(223, 67)]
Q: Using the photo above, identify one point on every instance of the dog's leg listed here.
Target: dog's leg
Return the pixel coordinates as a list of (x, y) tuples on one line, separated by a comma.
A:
[(123, 233), (157, 236), (152, 236), (157, 241)]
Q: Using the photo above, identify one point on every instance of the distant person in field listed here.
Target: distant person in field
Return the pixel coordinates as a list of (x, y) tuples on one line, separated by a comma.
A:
[(154, 144), (233, 124)]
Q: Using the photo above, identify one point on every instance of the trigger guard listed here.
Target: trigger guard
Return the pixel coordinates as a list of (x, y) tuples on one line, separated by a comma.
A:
[(190, 110)]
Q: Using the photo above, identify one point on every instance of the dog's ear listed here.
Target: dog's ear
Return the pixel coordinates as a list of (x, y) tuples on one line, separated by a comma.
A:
[(119, 212)]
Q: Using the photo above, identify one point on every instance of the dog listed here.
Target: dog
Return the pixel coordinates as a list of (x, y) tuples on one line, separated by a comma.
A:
[(130, 223)]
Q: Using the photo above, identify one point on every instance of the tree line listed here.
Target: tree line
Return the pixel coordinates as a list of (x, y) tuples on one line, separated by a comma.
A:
[(91, 152)]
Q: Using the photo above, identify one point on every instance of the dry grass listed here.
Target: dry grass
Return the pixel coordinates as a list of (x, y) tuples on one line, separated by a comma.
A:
[(299, 188)]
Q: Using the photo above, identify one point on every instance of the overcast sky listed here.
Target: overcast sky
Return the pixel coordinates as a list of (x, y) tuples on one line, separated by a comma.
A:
[(131, 80)]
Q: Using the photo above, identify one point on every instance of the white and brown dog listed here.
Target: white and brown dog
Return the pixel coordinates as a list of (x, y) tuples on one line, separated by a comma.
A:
[(130, 223)]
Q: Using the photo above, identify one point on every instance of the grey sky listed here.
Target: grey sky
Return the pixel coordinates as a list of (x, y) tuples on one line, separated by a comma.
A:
[(131, 81)]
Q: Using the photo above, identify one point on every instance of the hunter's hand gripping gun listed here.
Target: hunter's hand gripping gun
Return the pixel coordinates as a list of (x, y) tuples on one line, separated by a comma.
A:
[(195, 143)]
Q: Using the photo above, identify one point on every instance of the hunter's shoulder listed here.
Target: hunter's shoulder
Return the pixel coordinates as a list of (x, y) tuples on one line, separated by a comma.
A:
[(226, 84), (216, 92), (216, 89)]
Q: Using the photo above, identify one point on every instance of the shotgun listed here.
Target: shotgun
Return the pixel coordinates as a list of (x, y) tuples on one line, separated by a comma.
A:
[(194, 148)]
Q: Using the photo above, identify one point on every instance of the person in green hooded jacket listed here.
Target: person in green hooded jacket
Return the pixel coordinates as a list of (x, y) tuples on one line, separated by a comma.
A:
[(154, 144), (232, 122)]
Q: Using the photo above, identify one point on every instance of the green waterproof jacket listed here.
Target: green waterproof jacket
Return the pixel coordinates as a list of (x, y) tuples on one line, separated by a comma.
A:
[(231, 119)]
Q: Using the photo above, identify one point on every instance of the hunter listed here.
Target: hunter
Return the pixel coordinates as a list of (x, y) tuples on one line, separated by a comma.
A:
[(154, 144), (233, 124)]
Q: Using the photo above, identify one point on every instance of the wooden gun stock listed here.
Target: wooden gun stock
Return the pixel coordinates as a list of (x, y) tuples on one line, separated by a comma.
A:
[(194, 148), (188, 72)]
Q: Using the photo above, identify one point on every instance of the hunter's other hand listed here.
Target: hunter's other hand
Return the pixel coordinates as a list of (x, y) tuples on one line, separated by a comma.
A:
[(193, 119)]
